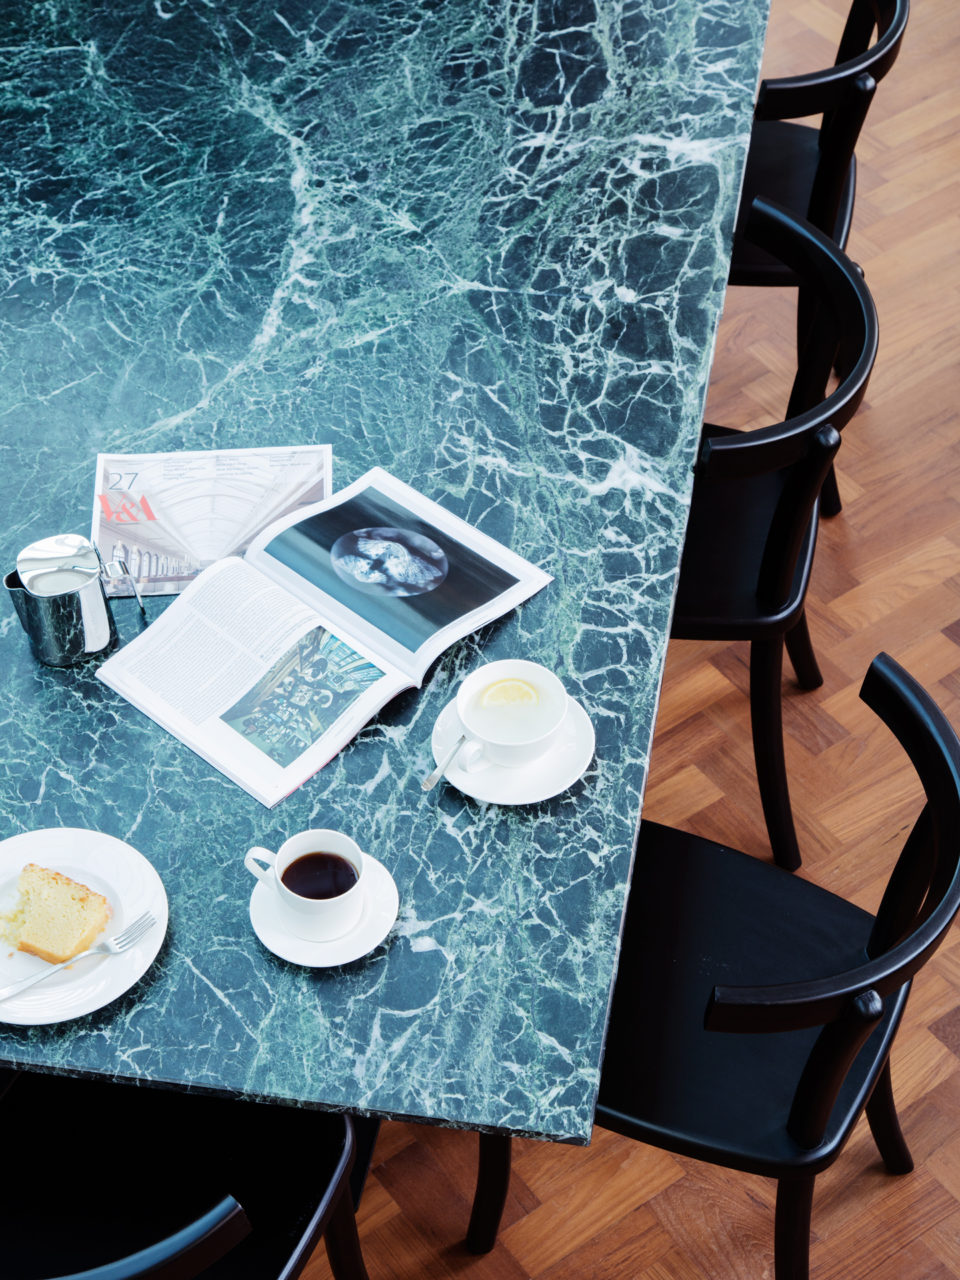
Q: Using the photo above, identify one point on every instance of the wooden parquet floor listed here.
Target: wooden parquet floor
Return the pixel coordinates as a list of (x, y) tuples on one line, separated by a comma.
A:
[(887, 576)]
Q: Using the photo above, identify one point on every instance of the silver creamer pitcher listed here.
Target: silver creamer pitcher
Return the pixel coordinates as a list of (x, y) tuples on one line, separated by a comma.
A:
[(58, 594)]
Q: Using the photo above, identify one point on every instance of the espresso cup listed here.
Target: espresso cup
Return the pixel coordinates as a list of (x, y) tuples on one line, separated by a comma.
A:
[(511, 712), (318, 879)]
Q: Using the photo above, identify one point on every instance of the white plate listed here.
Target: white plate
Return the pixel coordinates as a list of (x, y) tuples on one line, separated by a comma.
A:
[(557, 769), (131, 886), (381, 903)]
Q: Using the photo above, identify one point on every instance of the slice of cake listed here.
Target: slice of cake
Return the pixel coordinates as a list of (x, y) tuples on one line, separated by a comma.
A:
[(58, 917)]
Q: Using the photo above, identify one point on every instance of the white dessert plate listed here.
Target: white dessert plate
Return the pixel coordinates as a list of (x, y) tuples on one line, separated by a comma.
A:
[(131, 886), (381, 902), (555, 771)]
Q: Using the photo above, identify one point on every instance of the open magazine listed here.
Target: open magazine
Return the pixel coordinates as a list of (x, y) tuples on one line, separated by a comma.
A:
[(169, 515), (267, 665)]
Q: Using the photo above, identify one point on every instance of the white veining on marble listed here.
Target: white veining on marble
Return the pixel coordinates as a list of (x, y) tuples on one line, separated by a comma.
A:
[(483, 245)]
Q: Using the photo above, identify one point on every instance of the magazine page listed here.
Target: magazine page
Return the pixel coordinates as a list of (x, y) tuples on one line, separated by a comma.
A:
[(249, 678), (394, 571), (169, 515)]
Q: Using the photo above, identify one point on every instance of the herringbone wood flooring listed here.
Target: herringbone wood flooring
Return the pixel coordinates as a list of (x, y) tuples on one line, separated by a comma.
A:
[(887, 577)]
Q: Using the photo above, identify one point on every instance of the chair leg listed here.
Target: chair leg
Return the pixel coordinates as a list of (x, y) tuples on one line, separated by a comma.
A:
[(766, 717), (885, 1126), (830, 504), (800, 649), (366, 1129), (493, 1180), (792, 1229), (807, 306), (343, 1243)]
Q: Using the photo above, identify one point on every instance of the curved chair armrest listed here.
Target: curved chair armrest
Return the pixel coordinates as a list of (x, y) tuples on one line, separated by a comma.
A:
[(791, 97), (206, 1239), (795, 97)]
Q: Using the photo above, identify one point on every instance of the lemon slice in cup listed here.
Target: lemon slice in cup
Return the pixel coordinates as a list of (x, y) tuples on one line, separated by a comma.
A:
[(509, 693)]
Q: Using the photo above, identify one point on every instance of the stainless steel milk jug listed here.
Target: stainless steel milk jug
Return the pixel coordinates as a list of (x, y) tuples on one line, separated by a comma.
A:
[(58, 594)]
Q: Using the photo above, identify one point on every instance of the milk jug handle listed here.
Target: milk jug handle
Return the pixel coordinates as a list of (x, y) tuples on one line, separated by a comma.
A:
[(118, 569)]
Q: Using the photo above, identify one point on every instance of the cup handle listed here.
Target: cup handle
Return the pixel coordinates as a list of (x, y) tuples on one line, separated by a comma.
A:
[(471, 757), (252, 859)]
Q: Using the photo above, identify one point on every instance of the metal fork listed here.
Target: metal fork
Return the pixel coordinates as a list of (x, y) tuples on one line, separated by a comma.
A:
[(110, 946)]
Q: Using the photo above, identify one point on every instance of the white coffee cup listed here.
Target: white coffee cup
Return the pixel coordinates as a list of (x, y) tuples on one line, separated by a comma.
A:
[(511, 712), (316, 919)]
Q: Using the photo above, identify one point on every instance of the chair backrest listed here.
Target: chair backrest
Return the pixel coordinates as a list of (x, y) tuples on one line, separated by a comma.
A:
[(920, 903), (843, 313), (841, 94), (168, 1224)]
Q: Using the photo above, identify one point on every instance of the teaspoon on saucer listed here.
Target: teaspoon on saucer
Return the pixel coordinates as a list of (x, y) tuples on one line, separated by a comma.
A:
[(431, 780)]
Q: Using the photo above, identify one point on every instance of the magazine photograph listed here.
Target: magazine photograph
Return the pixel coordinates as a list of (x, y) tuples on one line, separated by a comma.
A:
[(398, 572), (302, 696)]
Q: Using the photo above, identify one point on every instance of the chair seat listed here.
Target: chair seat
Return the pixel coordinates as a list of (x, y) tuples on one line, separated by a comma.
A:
[(98, 1170), (717, 597), (781, 164), (664, 1076)]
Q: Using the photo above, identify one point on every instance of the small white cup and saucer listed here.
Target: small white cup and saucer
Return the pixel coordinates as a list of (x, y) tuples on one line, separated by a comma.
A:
[(320, 900), (524, 738)]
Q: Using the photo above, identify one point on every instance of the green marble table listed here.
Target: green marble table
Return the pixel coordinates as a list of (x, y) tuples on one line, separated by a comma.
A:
[(483, 245)]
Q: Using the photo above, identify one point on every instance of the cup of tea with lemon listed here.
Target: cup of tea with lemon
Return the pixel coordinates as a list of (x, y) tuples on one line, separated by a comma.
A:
[(511, 712)]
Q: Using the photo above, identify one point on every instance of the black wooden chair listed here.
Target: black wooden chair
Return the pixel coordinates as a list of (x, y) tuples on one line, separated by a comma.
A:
[(812, 170), (748, 551), (754, 1012), (111, 1181)]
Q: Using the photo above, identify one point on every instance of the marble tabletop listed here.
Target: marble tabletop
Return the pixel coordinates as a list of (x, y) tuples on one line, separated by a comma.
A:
[(483, 246)]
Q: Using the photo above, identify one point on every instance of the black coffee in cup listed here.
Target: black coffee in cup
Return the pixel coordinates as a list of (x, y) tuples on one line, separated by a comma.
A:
[(320, 875)]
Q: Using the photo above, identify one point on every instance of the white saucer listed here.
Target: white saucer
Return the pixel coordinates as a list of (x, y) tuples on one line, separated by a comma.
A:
[(554, 772), (129, 883), (380, 906)]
